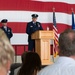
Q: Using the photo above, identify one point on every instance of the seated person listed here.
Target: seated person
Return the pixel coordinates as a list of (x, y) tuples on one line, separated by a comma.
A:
[(31, 64), (22, 58), (6, 54), (65, 64)]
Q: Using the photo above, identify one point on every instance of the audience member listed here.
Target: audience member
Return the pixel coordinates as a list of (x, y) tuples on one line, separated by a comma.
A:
[(65, 65), (31, 64), (6, 56), (22, 58)]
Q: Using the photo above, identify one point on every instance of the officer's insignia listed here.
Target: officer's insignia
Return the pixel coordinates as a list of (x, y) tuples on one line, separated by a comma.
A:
[(31, 26), (8, 30), (38, 25)]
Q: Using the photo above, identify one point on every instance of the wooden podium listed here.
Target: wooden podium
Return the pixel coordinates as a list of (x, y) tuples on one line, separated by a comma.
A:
[(42, 45)]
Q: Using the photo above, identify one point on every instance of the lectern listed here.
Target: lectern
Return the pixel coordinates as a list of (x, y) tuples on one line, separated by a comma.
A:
[(42, 45)]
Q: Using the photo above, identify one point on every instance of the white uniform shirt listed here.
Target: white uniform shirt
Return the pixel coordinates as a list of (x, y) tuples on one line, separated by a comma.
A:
[(63, 66)]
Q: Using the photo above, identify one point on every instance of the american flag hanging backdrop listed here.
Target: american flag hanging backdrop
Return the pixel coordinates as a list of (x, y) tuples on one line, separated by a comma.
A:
[(18, 13)]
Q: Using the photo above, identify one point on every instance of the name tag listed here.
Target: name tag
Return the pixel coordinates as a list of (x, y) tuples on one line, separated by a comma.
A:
[(31, 26)]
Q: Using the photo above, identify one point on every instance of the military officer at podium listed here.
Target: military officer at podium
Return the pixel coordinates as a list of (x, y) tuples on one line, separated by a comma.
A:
[(31, 28), (6, 29)]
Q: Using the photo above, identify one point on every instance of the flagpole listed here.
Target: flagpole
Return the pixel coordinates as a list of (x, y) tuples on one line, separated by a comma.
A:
[(53, 50), (53, 9), (54, 37), (72, 9)]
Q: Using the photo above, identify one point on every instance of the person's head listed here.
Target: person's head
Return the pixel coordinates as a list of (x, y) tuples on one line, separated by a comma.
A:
[(67, 43), (6, 55), (34, 17), (23, 57), (4, 22), (31, 64), (6, 52)]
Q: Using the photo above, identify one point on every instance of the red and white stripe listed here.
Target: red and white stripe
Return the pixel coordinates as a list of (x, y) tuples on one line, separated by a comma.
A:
[(55, 33)]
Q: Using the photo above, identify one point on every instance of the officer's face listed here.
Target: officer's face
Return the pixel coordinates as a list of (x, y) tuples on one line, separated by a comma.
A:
[(4, 24), (34, 19)]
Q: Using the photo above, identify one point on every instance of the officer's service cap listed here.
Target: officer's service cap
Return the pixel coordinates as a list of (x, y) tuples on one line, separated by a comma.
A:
[(4, 21), (34, 15)]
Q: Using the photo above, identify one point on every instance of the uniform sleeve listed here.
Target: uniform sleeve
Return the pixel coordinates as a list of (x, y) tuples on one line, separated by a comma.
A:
[(11, 34), (41, 27), (28, 29)]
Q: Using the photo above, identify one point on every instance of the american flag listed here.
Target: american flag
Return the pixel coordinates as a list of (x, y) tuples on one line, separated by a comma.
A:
[(55, 34), (73, 23), (18, 13)]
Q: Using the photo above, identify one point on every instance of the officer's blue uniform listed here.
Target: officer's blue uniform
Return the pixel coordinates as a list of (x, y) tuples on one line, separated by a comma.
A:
[(31, 28), (8, 30)]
